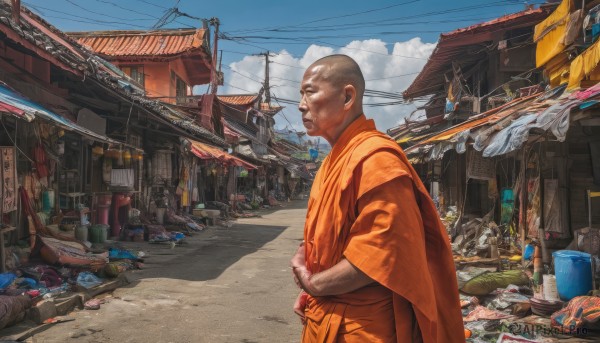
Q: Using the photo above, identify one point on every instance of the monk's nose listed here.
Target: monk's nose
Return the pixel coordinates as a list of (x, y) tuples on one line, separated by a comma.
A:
[(302, 106)]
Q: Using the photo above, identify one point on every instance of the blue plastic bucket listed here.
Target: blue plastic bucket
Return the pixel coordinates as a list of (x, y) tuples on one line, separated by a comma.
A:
[(573, 270)]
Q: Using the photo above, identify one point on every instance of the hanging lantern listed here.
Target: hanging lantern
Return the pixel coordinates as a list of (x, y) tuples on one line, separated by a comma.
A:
[(98, 150), (127, 158)]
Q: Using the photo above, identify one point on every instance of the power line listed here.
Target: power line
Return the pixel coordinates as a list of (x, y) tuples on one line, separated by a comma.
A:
[(346, 27), (420, 15), (237, 72), (133, 11), (149, 3), (358, 13), (283, 114), (393, 77), (38, 7), (341, 16), (82, 19), (245, 90), (102, 14), (126, 9), (336, 45)]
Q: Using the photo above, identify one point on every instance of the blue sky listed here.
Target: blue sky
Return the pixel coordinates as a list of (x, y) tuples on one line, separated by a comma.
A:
[(387, 38)]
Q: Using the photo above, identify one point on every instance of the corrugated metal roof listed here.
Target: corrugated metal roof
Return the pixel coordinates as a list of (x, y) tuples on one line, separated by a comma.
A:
[(142, 43), (490, 116), (238, 99), (29, 110), (205, 151), (452, 46), (179, 118)]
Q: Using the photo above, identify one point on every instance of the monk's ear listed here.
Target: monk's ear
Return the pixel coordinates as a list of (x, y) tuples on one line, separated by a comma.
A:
[(349, 97)]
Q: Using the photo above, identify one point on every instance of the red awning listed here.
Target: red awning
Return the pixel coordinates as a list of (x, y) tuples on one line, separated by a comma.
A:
[(205, 151)]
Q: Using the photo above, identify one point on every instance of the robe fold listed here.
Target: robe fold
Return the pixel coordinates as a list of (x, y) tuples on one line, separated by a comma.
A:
[(368, 205)]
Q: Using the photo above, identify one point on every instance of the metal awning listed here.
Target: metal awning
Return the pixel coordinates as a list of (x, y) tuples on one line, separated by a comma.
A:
[(16, 104), (206, 152)]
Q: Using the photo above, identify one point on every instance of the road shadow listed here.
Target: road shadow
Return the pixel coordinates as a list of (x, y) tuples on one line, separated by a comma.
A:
[(292, 205), (208, 254)]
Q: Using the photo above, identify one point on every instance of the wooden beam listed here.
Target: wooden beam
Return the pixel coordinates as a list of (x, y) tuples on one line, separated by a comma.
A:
[(96, 103), (590, 122)]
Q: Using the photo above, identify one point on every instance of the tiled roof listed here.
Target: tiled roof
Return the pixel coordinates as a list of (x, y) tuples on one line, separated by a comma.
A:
[(143, 43), (453, 46), (37, 35), (239, 99)]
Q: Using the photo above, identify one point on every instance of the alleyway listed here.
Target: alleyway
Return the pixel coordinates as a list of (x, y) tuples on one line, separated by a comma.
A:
[(224, 285)]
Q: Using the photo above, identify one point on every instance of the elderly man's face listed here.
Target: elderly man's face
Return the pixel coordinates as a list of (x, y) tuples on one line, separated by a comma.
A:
[(322, 104)]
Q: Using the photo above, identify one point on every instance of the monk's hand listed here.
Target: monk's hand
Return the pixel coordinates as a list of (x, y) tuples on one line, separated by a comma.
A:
[(299, 259), (300, 306)]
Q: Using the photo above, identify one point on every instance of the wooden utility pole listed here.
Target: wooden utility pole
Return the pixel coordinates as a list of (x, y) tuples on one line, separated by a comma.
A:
[(16, 11), (266, 85), (214, 76)]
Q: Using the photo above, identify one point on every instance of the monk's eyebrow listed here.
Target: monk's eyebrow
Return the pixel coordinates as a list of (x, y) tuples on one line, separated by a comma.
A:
[(306, 85)]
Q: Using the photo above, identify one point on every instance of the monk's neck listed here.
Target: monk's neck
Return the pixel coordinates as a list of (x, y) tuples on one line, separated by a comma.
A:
[(339, 135)]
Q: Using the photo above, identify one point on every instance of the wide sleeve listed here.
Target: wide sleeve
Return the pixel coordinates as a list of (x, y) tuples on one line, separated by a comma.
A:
[(387, 238), (397, 240), (387, 241)]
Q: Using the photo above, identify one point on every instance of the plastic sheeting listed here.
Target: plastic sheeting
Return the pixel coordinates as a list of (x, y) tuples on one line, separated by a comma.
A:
[(511, 138), (554, 119)]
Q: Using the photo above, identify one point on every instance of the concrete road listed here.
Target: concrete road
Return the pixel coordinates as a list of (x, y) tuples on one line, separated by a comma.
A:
[(223, 285)]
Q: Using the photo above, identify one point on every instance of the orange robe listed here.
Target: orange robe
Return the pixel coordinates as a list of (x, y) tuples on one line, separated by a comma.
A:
[(368, 205)]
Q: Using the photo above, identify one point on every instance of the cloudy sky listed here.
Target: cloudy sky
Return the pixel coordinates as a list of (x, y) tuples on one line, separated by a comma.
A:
[(390, 40), (389, 69)]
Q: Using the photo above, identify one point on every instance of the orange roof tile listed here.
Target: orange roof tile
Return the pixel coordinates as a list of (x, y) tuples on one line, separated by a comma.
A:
[(144, 43), (238, 99)]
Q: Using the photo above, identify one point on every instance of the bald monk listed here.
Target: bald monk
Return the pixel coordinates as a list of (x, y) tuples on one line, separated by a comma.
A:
[(376, 263)]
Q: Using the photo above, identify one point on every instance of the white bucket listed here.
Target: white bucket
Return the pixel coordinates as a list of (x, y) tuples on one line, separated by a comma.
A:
[(550, 290)]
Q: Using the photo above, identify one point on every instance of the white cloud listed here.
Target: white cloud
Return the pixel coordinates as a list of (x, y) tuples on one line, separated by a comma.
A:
[(374, 58)]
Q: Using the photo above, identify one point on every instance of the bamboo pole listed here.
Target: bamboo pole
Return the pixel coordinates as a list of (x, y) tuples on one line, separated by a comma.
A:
[(523, 214)]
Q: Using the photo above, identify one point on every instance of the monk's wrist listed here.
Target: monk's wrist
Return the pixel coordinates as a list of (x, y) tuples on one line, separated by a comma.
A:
[(305, 278)]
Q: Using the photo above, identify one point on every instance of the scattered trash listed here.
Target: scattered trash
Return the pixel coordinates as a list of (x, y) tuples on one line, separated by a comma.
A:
[(93, 304), (88, 280)]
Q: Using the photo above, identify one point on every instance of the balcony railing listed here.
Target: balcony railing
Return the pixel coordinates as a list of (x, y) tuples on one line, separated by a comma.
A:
[(188, 101)]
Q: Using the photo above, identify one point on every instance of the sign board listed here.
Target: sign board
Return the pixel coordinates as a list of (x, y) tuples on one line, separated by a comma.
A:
[(479, 167), (91, 121), (8, 189)]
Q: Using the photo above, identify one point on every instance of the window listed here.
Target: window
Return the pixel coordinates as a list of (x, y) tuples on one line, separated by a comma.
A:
[(180, 88), (136, 73)]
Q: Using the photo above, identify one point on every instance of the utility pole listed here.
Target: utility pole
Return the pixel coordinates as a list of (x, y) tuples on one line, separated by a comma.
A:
[(16, 11), (266, 86), (214, 75)]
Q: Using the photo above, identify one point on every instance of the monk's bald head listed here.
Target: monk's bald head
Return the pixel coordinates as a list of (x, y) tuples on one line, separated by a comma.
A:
[(341, 70)]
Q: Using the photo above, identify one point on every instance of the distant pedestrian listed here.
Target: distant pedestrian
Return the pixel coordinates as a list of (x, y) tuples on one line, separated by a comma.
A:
[(376, 265)]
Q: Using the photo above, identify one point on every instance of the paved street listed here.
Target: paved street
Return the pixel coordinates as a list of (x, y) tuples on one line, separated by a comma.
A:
[(224, 285)]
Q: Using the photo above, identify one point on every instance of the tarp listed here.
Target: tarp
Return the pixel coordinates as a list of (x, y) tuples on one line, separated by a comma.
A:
[(584, 65), (205, 151), (490, 116), (18, 105), (558, 69), (550, 33), (554, 119), (507, 130)]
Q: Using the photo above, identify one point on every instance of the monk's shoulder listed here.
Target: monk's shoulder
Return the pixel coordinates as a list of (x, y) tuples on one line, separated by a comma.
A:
[(379, 156), (377, 167)]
